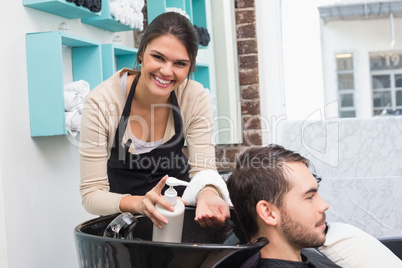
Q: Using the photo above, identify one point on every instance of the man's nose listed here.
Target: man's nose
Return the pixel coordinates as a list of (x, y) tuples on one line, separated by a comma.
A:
[(323, 206)]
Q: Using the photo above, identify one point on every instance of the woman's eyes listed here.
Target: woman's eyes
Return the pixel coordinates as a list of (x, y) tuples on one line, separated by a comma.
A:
[(181, 64), (161, 58), (157, 57)]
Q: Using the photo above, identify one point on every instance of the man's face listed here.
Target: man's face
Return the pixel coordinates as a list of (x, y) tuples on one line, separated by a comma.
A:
[(303, 211)]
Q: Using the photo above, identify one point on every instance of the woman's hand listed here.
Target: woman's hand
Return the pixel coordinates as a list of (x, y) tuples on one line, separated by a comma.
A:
[(212, 210), (146, 204), (154, 196)]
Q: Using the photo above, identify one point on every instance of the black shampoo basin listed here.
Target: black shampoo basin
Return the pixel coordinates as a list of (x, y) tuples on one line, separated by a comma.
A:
[(201, 247)]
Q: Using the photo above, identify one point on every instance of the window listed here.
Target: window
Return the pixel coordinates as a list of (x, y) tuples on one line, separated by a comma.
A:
[(346, 87), (386, 83)]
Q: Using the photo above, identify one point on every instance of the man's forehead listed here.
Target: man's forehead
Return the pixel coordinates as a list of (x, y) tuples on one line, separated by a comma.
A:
[(299, 176)]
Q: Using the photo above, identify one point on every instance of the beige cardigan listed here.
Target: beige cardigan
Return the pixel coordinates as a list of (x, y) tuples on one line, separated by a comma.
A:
[(102, 110)]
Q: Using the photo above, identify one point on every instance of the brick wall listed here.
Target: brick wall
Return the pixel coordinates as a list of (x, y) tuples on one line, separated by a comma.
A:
[(249, 88)]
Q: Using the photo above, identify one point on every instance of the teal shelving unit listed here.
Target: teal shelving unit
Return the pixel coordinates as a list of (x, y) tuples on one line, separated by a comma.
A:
[(45, 76), (201, 75), (61, 8), (199, 17), (116, 57)]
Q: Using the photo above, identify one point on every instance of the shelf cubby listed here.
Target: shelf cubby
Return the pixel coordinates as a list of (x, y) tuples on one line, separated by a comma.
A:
[(106, 21), (116, 57), (45, 76), (61, 8), (201, 75)]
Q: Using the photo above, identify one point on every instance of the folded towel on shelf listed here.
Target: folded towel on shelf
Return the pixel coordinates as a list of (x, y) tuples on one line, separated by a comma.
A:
[(79, 2), (203, 35), (178, 10), (80, 86), (88, 4), (73, 101), (96, 6), (73, 121), (74, 97), (128, 12)]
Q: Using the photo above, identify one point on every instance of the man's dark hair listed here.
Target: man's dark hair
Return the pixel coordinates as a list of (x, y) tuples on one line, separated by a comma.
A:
[(260, 174)]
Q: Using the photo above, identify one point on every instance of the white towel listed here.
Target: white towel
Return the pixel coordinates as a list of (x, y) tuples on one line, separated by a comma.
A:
[(128, 12), (74, 97), (73, 101), (202, 179), (80, 86), (73, 121), (178, 10)]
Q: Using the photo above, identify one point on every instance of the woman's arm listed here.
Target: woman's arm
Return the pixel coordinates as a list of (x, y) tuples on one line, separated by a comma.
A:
[(96, 125), (207, 188)]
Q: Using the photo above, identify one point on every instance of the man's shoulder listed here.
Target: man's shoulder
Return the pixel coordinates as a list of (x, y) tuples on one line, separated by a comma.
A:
[(277, 263), (311, 258), (316, 259)]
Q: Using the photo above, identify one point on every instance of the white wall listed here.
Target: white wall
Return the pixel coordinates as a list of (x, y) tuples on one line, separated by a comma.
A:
[(39, 181), (359, 37), (302, 59), (359, 161), (290, 64), (270, 69)]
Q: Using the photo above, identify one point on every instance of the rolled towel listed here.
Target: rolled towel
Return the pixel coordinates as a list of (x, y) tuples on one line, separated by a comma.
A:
[(203, 35), (96, 6), (73, 121), (80, 86), (72, 101), (88, 4), (114, 9), (138, 5), (79, 2), (178, 10)]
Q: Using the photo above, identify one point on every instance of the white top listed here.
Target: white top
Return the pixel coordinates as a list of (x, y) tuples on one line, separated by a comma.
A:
[(141, 147)]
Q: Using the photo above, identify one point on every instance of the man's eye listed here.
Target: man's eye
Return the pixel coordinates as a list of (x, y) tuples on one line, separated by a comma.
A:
[(310, 197)]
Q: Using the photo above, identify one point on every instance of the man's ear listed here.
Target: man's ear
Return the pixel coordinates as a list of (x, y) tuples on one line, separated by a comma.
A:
[(267, 212)]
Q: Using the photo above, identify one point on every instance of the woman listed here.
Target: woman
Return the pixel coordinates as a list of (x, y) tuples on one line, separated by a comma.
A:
[(133, 129)]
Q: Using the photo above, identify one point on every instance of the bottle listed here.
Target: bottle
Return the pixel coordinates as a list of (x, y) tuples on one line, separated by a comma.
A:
[(172, 231)]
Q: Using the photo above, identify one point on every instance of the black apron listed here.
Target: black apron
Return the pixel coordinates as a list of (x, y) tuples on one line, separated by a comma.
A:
[(136, 174)]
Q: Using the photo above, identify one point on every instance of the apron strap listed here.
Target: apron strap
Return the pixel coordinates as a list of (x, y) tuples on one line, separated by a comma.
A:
[(126, 112)]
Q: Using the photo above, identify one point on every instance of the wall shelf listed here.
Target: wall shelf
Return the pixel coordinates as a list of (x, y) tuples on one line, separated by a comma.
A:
[(198, 18), (116, 57), (45, 76), (201, 75), (106, 21), (61, 8)]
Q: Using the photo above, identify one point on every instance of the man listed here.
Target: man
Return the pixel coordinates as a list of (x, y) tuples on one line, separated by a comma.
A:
[(276, 196)]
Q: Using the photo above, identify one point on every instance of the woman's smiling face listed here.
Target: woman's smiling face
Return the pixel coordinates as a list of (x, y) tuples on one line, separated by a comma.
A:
[(165, 65)]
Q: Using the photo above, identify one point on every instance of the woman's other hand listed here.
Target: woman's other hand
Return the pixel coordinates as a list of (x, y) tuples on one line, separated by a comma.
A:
[(146, 204), (212, 210)]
